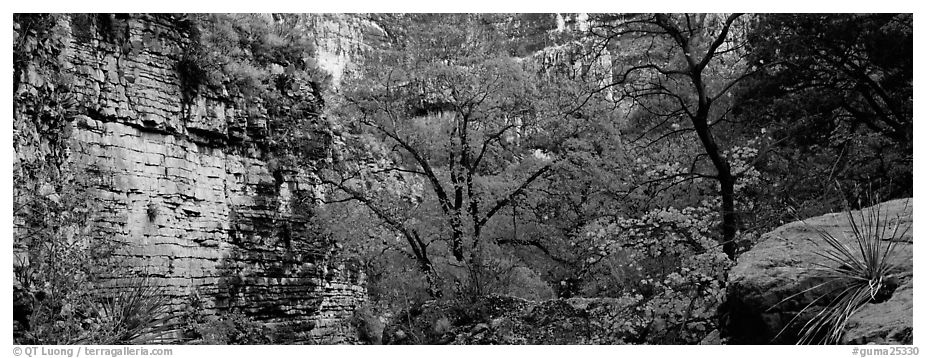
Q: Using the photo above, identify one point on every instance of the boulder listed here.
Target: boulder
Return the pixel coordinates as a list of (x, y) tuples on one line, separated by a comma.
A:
[(773, 282), (888, 323)]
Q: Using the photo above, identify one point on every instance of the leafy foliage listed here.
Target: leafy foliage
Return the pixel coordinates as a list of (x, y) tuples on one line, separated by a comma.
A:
[(667, 266), (602, 220), (473, 127), (224, 328), (368, 325), (855, 65), (630, 157), (836, 101), (240, 54), (263, 64), (132, 314)]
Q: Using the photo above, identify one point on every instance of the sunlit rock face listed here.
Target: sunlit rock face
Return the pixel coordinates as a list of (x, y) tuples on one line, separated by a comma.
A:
[(341, 40), (190, 188)]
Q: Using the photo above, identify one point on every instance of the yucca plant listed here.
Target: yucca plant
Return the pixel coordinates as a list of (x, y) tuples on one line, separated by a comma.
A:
[(861, 272), (134, 314)]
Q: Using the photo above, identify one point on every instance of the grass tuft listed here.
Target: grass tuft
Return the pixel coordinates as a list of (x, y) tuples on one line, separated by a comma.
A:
[(855, 274), (135, 314)]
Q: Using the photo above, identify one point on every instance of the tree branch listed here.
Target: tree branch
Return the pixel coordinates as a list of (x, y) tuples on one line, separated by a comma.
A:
[(502, 203)]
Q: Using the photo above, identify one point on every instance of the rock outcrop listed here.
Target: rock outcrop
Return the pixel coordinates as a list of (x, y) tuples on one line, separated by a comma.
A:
[(340, 40), (780, 266), (187, 186)]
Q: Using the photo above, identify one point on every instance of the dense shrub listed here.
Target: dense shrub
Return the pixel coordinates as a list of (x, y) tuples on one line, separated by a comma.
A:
[(668, 268), (226, 327), (246, 55), (368, 325), (265, 65)]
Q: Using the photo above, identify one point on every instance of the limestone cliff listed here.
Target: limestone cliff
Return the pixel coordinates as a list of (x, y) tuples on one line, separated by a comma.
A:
[(188, 185)]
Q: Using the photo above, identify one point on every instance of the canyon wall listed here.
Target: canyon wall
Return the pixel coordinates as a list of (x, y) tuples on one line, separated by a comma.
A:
[(187, 186)]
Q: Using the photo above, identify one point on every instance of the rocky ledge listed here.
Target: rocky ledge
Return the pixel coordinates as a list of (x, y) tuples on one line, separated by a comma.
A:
[(780, 265)]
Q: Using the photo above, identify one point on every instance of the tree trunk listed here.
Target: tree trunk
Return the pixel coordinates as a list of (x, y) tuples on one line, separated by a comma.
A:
[(703, 127), (430, 276), (724, 176), (728, 215), (456, 241)]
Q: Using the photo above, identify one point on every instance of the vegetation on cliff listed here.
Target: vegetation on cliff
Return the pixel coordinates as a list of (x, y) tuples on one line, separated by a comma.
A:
[(489, 173)]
